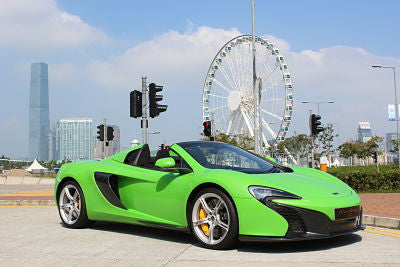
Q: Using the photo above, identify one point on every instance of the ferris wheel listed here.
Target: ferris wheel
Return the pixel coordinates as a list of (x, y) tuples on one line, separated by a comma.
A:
[(228, 90)]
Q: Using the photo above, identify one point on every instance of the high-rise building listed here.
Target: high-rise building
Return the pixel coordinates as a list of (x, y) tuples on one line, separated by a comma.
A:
[(364, 132), (115, 144), (39, 123), (112, 148), (52, 143), (75, 139), (389, 144)]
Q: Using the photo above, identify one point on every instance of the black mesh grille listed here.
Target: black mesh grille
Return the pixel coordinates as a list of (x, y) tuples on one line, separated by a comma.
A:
[(296, 224)]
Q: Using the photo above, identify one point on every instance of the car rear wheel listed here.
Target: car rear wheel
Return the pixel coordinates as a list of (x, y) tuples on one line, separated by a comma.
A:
[(213, 219), (72, 206)]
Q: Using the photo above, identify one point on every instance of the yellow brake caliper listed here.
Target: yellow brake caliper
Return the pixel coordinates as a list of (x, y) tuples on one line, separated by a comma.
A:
[(204, 226)]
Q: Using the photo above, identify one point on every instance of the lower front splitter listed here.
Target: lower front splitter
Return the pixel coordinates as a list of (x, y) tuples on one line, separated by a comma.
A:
[(307, 236)]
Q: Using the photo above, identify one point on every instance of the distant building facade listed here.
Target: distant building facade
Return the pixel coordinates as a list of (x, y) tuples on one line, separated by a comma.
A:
[(39, 123), (113, 147), (364, 132), (75, 139)]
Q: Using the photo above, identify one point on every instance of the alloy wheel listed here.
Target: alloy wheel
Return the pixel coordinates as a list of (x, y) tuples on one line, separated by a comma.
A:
[(210, 218), (70, 204)]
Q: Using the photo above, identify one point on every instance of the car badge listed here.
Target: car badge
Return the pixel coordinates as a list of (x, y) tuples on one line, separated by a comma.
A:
[(335, 193)]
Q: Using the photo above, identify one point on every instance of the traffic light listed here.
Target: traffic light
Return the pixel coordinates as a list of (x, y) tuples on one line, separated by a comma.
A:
[(207, 128), (375, 157), (100, 132), (136, 104), (110, 133), (155, 109), (315, 124)]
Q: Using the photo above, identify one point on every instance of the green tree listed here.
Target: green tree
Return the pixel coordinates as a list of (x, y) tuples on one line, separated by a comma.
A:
[(372, 145), (240, 140), (297, 145), (395, 144), (348, 150), (326, 139)]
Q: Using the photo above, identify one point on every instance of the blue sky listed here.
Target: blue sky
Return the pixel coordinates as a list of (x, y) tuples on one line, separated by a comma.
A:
[(97, 51), (310, 24)]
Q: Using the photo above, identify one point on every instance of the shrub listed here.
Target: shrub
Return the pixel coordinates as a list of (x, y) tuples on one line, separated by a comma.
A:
[(368, 178)]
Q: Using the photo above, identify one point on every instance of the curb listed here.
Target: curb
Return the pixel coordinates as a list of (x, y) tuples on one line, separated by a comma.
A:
[(16, 180), (378, 221), (35, 202)]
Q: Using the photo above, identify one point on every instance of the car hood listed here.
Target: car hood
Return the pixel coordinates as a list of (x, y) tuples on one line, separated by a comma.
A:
[(304, 182)]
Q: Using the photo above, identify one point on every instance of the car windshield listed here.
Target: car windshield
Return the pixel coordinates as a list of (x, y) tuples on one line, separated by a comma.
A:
[(215, 155)]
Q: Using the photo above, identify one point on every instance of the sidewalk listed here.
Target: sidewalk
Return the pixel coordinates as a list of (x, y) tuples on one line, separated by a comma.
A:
[(27, 195), (381, 204)]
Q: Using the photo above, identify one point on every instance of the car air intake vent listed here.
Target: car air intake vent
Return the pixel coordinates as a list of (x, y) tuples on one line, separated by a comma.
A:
[(276, 170), (296, 224)]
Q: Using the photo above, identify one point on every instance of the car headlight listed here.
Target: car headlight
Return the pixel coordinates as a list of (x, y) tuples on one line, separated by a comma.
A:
[(263, 194)]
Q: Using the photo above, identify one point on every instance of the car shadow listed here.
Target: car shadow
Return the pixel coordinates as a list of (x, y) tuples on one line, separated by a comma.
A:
[(299, 246), (252, 247), (143, 231)]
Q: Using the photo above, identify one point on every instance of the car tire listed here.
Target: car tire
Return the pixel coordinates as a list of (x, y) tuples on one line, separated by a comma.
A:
[(212, 219), (72, 206)]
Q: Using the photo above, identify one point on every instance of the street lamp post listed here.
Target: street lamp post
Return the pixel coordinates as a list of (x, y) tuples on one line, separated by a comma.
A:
[(318, 103), (396, 104), (149, 133)]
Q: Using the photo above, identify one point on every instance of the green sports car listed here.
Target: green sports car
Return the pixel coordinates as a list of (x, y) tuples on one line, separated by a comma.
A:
[(218, 192)]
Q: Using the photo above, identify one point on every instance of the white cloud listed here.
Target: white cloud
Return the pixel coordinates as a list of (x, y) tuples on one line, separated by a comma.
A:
[(338, 73), (181, 58), (41, 24)]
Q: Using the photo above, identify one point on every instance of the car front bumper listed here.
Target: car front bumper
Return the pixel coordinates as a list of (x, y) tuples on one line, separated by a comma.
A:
[(306, 224)]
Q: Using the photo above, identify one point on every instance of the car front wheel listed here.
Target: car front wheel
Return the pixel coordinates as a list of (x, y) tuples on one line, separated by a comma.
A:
[(72, 206), (213, 219)]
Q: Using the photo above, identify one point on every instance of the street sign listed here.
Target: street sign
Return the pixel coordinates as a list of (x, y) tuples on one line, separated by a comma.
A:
[(392, 112)]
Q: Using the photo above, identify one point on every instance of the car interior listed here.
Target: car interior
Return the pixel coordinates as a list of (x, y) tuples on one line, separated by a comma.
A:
[(142, 158)]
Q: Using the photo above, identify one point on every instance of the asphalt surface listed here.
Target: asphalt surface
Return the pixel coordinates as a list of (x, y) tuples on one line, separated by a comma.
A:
[(34, 236)]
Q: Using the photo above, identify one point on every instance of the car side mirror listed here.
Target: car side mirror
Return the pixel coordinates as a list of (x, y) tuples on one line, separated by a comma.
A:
[(168, 164), (165, 163)]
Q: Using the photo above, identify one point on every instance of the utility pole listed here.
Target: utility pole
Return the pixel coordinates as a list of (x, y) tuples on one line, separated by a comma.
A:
[(397, 112), (105, 138), (144, 122), (312, 141)]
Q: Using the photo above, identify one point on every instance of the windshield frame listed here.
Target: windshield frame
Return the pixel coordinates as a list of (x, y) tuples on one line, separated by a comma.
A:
[(265, 165)]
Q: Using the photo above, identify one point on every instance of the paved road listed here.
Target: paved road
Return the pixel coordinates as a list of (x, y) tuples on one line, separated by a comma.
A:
[(33, 236)]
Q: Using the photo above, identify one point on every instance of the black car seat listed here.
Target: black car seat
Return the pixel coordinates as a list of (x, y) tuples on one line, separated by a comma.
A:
[(143, 158), (162, 153)]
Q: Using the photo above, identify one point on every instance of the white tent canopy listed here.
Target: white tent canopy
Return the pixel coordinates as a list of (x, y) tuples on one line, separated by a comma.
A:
[(35, 167)]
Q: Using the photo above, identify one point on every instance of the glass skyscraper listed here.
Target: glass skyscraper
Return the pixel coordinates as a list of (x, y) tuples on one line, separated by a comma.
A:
[(39, 123), (75, 139)]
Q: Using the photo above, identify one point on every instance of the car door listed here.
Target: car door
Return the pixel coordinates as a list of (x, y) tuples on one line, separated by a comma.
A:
[(160, 196)]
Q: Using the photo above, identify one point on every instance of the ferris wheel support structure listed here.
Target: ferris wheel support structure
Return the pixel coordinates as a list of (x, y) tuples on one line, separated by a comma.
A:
[(257, 130)]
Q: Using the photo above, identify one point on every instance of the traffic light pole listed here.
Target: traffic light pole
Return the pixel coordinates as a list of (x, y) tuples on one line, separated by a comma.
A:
[(312, 141), (144, 122), (105, 138), (312, 152)]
